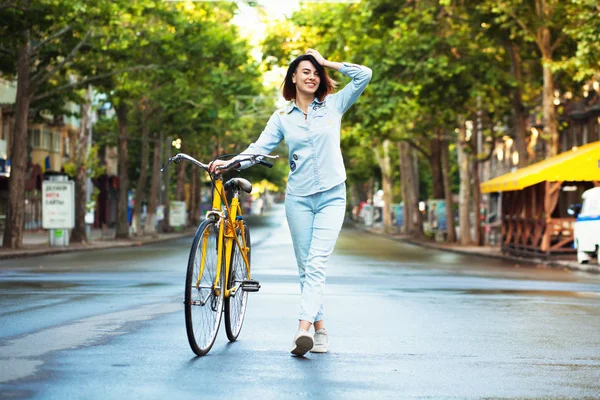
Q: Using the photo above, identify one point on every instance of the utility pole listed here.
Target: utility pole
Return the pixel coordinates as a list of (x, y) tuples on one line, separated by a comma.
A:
[(166, 185)]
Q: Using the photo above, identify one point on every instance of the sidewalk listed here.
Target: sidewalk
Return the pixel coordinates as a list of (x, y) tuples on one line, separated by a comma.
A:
[(36, 243), (565, 262)]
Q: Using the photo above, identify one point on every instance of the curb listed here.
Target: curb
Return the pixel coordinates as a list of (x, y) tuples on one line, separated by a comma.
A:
[(95, 245), (42, 250), (558, 264)]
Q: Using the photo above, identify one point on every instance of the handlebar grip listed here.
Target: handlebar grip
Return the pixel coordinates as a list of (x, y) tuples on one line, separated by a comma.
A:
[(234, 165), (266, 163)]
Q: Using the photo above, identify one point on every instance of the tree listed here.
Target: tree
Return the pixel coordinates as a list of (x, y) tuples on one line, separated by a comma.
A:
[(44, 38), (81, 164), (543, 22), (583, 26)]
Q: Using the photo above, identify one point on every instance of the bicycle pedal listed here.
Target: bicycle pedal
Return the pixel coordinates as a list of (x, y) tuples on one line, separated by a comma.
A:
[(250, 285)]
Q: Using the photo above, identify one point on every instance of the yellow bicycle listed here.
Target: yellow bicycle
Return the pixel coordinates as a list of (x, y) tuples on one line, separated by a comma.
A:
[(214, 287)]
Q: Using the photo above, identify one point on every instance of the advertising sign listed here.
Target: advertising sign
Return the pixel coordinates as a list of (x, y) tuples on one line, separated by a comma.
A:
[(58, 204), (436, 212), (377, 215), (177, 213), (397, 211), (160, 213)]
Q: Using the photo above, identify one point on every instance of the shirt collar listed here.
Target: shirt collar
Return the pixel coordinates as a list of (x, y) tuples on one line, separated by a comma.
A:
[(293, 105)]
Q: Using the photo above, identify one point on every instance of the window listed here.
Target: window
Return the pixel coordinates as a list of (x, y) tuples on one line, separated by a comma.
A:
[(590, 206), (56, 142), (574, 132), (35, 138), (46, 139), (67, 146), (4, 129)]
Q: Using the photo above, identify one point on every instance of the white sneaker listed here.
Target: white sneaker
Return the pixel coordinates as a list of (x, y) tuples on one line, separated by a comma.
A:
[(321, 342), (303, 342)]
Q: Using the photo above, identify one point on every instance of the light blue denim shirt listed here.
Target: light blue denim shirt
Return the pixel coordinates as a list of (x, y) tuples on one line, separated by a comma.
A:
[(315, 156)]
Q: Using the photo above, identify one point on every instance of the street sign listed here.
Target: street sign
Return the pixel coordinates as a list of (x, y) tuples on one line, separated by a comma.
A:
[(58, 204), (177, 213)]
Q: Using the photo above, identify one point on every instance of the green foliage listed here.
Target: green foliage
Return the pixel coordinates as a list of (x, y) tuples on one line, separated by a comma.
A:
[(182, 69), (430, 63), (92, 164), (584, 28)]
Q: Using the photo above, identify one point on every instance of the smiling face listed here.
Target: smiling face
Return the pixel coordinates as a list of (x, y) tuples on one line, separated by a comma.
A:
[(306, 78)]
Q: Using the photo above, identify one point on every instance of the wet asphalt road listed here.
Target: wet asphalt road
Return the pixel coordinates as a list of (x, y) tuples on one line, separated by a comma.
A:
[(403, 321)]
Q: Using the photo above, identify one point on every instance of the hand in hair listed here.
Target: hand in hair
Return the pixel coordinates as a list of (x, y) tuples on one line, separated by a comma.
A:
[(320, 59)]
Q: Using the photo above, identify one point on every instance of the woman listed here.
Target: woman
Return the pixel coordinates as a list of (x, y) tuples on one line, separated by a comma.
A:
[(315, 200)]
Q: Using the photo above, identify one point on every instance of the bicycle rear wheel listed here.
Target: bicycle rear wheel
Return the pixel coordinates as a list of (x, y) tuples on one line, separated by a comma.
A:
[(235, 306), (203, 308)]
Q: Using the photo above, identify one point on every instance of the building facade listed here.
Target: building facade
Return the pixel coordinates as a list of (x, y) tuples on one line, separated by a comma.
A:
[(51, 145)]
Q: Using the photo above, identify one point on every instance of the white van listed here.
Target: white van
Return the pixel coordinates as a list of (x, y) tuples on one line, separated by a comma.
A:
[(587, 226)]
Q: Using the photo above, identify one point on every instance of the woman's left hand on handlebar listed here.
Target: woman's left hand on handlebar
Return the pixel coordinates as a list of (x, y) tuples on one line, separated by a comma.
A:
[(217, 163)]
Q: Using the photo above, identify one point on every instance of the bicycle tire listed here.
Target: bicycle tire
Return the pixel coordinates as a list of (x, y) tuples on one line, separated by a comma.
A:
[(203, 310), (235, 306)]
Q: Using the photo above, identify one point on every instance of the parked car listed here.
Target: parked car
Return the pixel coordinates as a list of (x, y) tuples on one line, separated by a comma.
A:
[(587, 226)]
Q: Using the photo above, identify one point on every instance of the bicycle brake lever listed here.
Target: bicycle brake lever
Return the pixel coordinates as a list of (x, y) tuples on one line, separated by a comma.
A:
[(175, 159), (166, 165)]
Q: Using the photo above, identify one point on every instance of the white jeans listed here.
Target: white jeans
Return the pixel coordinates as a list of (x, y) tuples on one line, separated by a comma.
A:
[(315, 222)]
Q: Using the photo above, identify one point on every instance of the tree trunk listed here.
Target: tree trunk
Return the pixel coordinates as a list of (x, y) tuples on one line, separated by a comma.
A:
[(165, 227), (193, 198), (415, 160), (198, 211), (81, 162), (371, 189), (437, 178), (122, 229), (140, 189), (518, 108), (417, 216), (478, 236), (15, 214), (464, 195), (543, 40), (180, 191), (150, 226), (407, 186), (550, 123), (387, 200), (407, 217), (413, 217), (447, 191), (383, 159)]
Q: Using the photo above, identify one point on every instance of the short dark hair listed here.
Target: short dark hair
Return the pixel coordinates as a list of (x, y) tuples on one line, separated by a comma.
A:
[(326, 85)]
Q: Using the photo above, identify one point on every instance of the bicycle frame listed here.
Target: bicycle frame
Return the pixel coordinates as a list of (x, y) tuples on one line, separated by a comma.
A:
[(228, 224)]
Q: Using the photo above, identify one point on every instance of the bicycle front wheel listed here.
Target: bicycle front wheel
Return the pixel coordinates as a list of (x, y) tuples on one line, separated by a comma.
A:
[(235, 306), (203, 302)]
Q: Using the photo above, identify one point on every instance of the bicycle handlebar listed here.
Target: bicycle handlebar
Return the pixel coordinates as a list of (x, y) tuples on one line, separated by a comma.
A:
[(177, 158)]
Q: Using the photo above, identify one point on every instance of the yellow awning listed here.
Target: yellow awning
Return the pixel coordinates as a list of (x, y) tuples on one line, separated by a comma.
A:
[(581, 164)]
